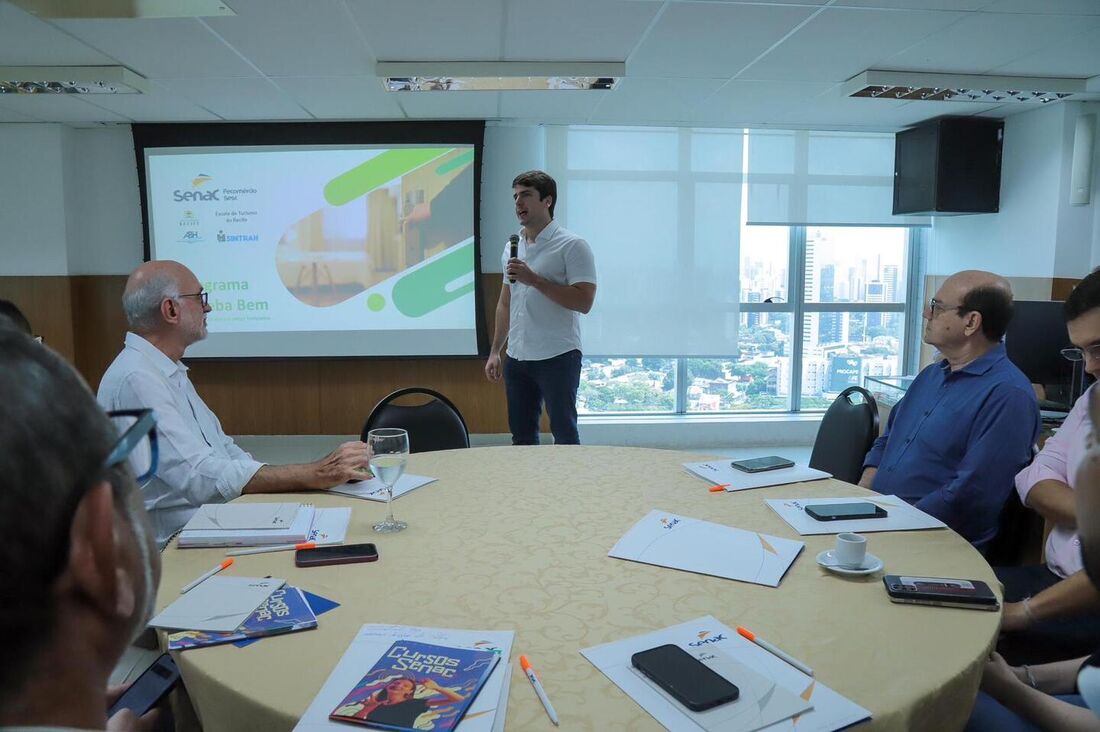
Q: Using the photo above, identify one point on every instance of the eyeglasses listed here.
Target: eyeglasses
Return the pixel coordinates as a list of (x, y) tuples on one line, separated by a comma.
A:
[(934, 305), (202, 295), (138, 442), (1079, 354)]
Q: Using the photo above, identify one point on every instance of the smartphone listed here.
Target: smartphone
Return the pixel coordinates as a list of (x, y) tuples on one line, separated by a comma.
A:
[(149, 688), (940, 591), (687, 679), (841, 511), (339, 554), (760, 464)]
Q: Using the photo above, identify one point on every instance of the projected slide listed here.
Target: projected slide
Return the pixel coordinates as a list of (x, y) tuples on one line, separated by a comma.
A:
[(322, 251)]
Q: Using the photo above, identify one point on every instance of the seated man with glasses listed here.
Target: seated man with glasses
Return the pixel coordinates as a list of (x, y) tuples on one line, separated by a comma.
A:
[(166, 308), (1050, 610), (969, 422), (80, 569)]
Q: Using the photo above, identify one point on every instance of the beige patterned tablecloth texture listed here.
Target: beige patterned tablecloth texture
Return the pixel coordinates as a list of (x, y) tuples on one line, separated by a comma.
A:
[(517, 538)]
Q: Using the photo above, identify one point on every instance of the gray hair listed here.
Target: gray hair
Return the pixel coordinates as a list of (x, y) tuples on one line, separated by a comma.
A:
[(142, 304), (53, 441)]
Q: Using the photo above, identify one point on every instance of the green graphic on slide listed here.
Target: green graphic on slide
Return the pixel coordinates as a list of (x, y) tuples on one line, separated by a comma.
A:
[(376, 302), (424, 290), (455, 163), (378, 171)]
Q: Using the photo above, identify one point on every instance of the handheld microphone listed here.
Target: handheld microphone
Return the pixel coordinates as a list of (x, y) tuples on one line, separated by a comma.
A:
[(513, 250)]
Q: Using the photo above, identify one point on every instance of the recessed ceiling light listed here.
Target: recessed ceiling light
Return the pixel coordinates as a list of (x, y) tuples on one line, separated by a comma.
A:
[(403, 76), (910, 86), (70, 80)]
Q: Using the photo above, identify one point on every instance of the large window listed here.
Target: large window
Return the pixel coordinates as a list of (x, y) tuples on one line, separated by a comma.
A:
[(700, 312)]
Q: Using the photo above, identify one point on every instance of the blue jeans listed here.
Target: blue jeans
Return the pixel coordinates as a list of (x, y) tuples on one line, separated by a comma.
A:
[(989, 715), (530, 383)]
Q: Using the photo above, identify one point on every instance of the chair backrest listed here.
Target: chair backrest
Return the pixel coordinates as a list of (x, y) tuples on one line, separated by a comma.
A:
[(847, 431), (433, 425)]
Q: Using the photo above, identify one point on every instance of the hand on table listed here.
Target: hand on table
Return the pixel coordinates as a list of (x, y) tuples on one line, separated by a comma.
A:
[(347, 462)]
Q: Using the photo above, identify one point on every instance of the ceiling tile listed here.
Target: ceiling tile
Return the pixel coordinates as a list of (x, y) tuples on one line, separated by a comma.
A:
[(1074, 55), (641, 101), (238, 99), (711, 39), (57, 108), (320, 32), (1045, 7), (161, 48), (450, 105), (914, 4), (757, 100), (579, 30), (360, 97), (10, 115), (551, 106), (159, 105), (915, 112), (795, 105), (27, 41), (840, 43), (981, 42), (431, 30)]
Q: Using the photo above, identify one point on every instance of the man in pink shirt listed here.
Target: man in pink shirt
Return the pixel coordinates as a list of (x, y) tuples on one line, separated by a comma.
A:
[(1050, 609)]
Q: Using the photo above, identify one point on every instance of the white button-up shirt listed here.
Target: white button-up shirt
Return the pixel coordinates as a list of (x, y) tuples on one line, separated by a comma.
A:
[(539, 328), (198, 463)]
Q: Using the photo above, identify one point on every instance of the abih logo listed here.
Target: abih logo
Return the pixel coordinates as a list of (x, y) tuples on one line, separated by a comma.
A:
[(189, 220), (194, 195)]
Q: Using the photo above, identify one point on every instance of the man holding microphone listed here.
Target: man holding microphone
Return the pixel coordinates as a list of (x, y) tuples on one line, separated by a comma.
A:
[(549, 280)]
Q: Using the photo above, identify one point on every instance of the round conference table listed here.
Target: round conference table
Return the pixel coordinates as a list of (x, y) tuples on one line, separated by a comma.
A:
[(516, 538)]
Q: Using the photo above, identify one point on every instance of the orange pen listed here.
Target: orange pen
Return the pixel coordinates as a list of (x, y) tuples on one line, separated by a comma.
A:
[(718, 488), (205, 576), (274, 548)]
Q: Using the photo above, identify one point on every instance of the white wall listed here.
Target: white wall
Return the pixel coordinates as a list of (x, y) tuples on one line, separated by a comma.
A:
[(68, 200), (32, 200), (104, 231), (509, 151), (1037, 233)]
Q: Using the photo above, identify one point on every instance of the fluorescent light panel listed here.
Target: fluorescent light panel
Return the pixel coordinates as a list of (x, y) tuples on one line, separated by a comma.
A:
[(124, 8), (499, 75), (70, 80), (962, 87)]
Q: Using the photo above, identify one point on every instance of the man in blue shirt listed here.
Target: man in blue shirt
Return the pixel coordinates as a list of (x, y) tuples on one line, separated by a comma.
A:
[(969, 422)]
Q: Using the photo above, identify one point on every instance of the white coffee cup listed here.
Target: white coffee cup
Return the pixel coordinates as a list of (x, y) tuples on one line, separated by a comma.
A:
[(851, 550)]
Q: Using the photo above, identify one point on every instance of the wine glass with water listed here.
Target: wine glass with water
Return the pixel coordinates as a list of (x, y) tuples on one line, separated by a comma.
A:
[(389, 451)]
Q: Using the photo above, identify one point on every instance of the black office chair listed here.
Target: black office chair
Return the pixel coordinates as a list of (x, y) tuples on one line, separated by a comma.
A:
[(434, 425), (847, 431)]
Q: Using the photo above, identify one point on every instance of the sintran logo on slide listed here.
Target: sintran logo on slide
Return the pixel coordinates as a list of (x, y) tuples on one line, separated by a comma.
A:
[(196, 195)]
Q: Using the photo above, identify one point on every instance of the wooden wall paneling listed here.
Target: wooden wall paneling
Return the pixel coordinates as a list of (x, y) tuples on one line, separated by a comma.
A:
[(1061, 287), (47, 303), (261, 397), (99, 325)]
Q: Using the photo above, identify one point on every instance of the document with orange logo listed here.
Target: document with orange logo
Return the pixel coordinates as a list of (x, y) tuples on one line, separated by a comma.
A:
[(693, 545), (774, 696)]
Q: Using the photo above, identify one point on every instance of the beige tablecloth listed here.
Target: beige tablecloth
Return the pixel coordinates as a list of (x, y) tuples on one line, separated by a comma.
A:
[(517, 538)]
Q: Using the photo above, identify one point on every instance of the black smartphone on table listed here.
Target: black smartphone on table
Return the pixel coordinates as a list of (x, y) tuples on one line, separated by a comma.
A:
[(760, 464), (149, 688), (940, 591), (842, 511), (337, 554), (687, 679)]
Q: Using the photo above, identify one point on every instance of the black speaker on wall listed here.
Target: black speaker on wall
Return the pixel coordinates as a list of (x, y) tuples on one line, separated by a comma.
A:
[(950, 165)]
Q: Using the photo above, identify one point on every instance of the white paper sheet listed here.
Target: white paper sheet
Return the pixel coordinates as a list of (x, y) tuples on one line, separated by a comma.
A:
[(330, 526), (373, 640), (761, 702), (719, 472), (375, 490), (830, 710), (298, 531), (230, 516), (218, 603), (679, 542), (900, 516)]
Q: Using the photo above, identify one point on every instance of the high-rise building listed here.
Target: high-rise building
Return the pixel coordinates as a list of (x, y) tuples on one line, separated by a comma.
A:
[(876, 292), (890, 281), (753, 319)]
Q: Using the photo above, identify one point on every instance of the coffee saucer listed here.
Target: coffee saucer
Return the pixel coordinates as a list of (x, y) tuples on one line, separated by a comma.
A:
[(871, 564)]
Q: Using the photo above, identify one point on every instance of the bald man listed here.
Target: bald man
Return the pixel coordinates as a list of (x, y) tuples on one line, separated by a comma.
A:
[(969, 422), (166, 309)]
